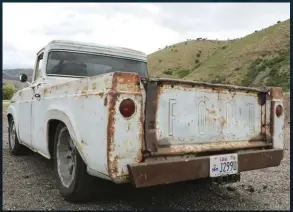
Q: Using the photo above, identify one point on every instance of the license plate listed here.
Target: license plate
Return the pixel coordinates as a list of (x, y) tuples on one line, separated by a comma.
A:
[(222, 165)]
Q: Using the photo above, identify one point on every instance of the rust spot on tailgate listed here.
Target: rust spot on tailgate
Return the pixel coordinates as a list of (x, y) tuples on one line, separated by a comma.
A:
[(223, 122), (211, 111)]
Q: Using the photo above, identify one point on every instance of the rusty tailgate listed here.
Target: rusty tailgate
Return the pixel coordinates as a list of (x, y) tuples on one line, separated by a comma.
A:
[(191, 117)]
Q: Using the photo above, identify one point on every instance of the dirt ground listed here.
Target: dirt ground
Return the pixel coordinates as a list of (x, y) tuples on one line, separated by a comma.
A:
[(29, 184)]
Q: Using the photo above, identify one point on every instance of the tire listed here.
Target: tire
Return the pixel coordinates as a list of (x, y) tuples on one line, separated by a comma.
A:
[(73, 180), (15, 147)]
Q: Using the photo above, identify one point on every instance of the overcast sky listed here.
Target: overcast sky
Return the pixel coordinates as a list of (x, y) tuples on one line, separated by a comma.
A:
[(27, 27)]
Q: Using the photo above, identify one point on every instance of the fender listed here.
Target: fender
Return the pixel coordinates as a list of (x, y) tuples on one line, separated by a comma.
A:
[(58, 113)]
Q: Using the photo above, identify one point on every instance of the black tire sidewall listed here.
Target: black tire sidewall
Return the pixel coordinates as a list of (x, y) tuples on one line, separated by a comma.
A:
[(9, 134), (17, 145), (72, 192)]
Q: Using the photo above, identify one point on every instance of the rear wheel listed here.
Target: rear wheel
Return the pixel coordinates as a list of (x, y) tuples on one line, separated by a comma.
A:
[(15, 147), (73, 180)]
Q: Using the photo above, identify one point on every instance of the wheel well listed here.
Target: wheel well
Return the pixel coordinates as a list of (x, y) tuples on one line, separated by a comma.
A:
[(52, 126)]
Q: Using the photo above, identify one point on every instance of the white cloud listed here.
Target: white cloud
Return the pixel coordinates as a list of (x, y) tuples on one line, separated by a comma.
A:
[(146, 27)]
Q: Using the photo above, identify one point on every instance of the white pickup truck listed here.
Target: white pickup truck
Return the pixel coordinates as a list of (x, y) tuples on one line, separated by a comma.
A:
[(94, 111)]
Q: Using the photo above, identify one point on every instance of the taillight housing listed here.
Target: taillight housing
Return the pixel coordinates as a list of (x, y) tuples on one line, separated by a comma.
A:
[(279, 110), (127, 108)]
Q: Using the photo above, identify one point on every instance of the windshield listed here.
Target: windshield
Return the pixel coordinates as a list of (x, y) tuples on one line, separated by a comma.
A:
[(82, 64)]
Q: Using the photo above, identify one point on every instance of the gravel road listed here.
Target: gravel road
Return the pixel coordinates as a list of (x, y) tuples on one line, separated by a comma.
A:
[(29, 185)]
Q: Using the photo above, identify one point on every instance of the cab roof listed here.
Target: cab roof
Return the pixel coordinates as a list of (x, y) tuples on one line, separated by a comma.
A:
[(95, 48)]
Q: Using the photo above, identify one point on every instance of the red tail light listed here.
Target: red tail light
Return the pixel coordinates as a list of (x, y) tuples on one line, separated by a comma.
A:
[(279, 110), (127, 108)]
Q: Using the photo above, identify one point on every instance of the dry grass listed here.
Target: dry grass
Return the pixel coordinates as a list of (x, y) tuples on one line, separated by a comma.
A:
[(182, 55)]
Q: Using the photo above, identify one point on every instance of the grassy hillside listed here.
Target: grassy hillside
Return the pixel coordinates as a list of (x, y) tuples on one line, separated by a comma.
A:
[(182, 57), (259, 59)]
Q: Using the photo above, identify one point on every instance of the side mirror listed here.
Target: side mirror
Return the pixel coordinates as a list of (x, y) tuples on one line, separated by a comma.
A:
[(23, 78)]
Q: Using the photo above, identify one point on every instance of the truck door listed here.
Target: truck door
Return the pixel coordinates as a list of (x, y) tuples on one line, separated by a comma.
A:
[(38, 126)]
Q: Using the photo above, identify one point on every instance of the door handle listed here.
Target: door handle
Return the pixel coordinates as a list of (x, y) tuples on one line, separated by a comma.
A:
[(37, 95)]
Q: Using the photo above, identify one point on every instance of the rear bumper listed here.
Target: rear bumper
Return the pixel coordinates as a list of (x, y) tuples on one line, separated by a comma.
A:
[(155, 173)]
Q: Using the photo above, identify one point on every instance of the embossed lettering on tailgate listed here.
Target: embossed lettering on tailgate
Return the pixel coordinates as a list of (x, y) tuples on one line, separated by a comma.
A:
[(194, 117)]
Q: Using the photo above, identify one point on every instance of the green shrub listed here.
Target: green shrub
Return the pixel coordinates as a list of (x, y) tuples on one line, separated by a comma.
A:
[(168, 72), (198, 55), (276, 76), (257, 61), (253, 70), (7, 91), (279, 79), (197, 65), (178, 72), (196, 61), (181, 72)]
